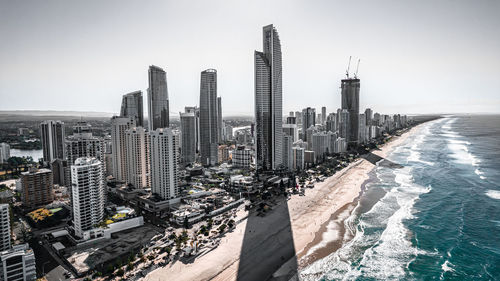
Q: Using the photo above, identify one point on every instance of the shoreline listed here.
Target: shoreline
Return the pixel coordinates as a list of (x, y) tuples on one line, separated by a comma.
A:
[(315, 227), (306, 257)]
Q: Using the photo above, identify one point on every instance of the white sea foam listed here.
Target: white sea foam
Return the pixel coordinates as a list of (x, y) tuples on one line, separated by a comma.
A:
[(479, 173), (388, 253), (494, 194), (416, 147), (460, 149), (446, 266)]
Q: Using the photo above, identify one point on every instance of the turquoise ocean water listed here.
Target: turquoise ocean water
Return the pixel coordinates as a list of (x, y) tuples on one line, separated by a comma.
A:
[(437, 218)]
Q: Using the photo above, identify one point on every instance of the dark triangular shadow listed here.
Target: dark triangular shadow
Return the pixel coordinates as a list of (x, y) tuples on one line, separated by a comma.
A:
[(268, 245), (380, 161)]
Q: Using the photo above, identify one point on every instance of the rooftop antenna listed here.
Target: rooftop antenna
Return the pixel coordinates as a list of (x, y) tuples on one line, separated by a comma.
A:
[(348, 66), (357, 67)]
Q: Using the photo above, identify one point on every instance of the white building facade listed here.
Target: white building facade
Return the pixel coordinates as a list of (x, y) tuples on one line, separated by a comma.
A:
[(138, 157), (164, 163), (88, 194), (119, 125)]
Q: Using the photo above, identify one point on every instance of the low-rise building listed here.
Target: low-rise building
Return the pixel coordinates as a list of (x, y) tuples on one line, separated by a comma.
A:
[(242, 157)]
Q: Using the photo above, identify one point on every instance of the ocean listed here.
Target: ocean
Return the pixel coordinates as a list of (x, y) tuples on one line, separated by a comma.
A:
[(436, 218)]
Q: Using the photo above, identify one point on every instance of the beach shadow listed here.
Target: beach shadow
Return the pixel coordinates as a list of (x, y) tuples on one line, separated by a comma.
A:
[(380, 161), (268, 251)]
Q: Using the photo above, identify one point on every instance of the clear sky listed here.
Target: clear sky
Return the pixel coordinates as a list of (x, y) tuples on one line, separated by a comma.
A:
[(416, 56)]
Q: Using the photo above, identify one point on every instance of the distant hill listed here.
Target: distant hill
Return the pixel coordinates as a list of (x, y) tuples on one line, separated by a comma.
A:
[(55, 113)]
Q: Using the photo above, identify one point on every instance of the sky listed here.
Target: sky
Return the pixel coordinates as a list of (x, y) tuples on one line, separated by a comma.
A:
[(416, 56)]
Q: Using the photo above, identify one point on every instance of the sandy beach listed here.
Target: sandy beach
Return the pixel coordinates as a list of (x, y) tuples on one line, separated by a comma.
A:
[(263, 245)]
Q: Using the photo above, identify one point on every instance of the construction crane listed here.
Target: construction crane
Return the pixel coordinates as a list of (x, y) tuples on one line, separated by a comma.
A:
[(348, 66), (357, 67)]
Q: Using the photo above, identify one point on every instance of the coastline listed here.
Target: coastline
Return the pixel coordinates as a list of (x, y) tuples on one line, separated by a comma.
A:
[(316, 223), (323, 243)]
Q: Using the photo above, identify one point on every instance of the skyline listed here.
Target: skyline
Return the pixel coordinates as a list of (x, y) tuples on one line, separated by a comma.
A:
[(103, 52)]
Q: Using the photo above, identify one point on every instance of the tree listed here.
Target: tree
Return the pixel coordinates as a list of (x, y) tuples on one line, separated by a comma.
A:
[(222, 227), (110, 269), (120, 272)]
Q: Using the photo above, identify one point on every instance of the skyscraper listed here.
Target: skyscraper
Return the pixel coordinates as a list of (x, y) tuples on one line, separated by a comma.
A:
[(5, 152), (368, 116), (287, 152), (331, 122), (323, 115), (209, 137), (268, 102), (308, 119), (344, 123), (219, 120), (87, 187), (188, 137), (52, 135), (362, 134), (37, 187), (298, 158), (196, 111), (119, 149), (137, 141), (132, 107), (4, 227), (291, 130), (164, 163), (350, 101), (82, 144), (158, 107)]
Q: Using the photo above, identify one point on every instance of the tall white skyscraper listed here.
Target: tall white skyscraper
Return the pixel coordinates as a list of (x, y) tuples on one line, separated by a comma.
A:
[(268, 102), (188, 137), (4, 227), (158, 104), (52, 136), (164, 163), (88, 195), (137, 141), (119, 149), (209, 133)]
